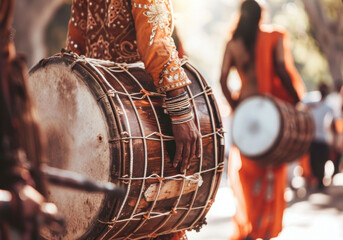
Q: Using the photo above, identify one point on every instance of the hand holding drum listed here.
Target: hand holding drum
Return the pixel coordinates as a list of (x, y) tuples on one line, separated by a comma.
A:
[(187, 136)]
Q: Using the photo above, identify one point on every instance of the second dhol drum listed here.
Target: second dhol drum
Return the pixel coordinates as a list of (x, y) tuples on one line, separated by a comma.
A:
[(271, 131)]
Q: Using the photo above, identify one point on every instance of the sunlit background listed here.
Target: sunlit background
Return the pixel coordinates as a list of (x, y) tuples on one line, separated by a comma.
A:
[(203, 26)]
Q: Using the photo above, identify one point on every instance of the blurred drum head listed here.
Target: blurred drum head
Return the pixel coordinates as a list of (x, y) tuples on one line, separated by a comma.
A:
[(256, 126)]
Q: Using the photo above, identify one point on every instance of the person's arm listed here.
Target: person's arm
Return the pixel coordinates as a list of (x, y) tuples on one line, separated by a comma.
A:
[(76, 39), (153, 24), (281, 70), (226, 66)]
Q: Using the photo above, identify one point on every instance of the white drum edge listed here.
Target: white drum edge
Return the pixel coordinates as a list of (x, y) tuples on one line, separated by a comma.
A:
[(256, 125), (72, 122)]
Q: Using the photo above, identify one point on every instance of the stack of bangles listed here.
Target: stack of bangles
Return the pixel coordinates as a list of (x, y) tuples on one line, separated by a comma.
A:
[(179, 108)]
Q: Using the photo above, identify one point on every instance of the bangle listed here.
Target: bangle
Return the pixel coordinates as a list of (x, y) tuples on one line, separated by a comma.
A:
[(180, 113), (183, 119), (178, 96), (178, 105)]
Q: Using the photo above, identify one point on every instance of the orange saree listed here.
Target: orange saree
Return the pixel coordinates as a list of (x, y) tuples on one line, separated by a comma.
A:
[(260, 190)]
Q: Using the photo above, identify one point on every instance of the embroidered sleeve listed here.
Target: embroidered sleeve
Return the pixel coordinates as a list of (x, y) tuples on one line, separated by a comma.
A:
[(153, 23), (76, 40)]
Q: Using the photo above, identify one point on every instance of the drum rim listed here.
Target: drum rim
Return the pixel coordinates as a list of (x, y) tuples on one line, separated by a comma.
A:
[(272, 100)]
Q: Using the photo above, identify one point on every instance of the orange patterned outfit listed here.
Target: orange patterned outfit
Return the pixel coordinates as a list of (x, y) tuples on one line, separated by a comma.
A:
[(130, 31), (260, 190)]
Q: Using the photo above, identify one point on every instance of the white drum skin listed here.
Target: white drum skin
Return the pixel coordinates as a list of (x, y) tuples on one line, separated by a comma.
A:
[(67, 115), (256, 125)]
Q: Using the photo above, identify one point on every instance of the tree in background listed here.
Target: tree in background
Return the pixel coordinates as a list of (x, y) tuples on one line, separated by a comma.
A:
[(317, 36), (326, 21)]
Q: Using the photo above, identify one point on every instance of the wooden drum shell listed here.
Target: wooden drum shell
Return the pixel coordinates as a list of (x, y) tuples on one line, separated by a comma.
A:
[(141, 151)]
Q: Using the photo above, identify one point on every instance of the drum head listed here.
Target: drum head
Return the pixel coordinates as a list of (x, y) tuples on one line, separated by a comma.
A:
[(77, 140), (256, 126)]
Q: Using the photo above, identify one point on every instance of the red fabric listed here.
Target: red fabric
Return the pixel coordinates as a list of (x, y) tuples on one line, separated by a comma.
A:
[(304, 163), (268, 81), (257, 215)]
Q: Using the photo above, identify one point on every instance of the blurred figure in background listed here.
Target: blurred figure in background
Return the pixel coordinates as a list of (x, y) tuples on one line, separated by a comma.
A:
[(320, 148), (337, 149), (335, 101), (262, 56)]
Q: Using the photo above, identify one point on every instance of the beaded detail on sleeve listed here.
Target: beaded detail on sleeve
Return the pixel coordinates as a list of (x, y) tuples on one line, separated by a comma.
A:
[(128, 31), (153, 22)]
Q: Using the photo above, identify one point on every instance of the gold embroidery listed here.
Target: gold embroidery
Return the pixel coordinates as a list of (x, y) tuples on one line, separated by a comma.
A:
[(108, 23), (91, 23), (114, 10), (101, 49), (158, 15)]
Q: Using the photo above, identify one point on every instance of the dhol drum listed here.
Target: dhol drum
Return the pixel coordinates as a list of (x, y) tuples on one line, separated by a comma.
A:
[(106, 121), (271, 131)]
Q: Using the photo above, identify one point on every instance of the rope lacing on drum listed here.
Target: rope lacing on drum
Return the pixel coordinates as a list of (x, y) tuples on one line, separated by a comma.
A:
[(165, 138), (123, 67), (220, 132), (131, 99), (136, 96), (195, 178), (113, 66), (207, 91), (151, 94), (144, 93), (151, 215)]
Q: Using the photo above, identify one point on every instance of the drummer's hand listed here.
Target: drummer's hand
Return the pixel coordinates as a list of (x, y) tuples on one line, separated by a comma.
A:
[(188, 144)]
